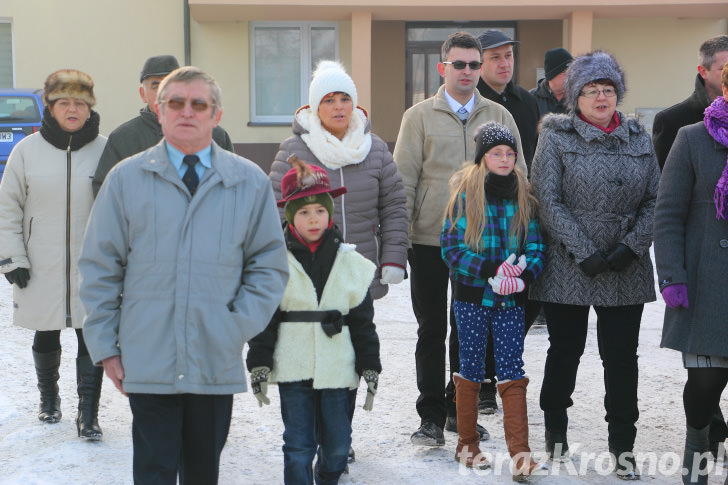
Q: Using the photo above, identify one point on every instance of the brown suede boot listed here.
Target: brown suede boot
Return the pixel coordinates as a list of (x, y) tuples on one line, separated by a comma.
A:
[(466, 403), (515, 425)]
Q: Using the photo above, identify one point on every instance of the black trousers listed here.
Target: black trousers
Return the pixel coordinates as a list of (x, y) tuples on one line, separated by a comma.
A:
[(429, 278), (617, 336), (179, 433)]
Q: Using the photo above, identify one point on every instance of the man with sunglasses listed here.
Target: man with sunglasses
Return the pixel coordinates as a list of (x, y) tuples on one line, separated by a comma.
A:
[(183, 261), (144, 131), (435, 138)]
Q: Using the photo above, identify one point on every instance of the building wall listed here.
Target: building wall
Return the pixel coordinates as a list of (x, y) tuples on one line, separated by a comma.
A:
[(108, 40), (658, 54)]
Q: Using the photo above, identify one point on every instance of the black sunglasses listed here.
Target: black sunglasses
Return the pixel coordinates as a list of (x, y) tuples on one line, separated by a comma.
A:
[(460, 65)]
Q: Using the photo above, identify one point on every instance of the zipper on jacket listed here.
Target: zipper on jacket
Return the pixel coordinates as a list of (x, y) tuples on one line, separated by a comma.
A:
[(343, 205), (30, 233), (68, 233), (377, 235)]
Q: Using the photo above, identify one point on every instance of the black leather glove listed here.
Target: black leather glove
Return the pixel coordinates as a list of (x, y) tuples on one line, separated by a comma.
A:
[(620, 257), (594, 264), (332, 322), (18, 276)]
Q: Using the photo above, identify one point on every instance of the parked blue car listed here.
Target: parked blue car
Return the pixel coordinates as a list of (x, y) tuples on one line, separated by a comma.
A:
[(21, 111)]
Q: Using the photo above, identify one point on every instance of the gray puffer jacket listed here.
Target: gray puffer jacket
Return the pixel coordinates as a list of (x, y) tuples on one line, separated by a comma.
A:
[(595, 190), (372, 214)]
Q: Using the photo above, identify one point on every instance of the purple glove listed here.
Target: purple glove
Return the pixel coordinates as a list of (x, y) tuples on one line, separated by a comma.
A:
[(676, 295)]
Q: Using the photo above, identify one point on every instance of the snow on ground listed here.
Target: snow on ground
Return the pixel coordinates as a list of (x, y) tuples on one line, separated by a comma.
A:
[(35, 453)]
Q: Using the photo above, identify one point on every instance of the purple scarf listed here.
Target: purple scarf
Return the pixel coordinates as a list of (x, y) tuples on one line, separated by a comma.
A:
[(716, 122)]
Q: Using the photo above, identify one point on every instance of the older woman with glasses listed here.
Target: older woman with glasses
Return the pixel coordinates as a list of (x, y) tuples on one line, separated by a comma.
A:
[(45, 200), (596, 177)]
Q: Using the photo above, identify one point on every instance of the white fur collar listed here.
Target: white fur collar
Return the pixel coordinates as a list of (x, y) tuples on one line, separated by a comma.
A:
[(332, 152)]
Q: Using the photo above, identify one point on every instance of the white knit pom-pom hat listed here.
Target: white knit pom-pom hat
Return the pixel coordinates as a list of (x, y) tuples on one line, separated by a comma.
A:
[(330, 77)]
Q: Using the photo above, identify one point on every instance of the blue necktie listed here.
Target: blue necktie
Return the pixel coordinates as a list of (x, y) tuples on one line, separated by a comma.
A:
[(190, 177), (463, 114)]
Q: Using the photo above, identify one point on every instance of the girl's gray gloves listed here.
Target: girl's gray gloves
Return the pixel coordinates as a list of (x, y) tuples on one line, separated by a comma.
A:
[(371, 377), (259, 383)]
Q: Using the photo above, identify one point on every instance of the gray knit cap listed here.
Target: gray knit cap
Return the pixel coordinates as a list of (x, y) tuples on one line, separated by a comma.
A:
[(589, 68)]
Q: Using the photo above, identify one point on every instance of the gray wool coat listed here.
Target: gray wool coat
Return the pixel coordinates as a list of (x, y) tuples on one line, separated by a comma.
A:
[(595, 190), (691, 245), (372, 214)]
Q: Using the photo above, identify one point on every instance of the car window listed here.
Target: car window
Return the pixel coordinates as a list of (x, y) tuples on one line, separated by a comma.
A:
[(22, 109)]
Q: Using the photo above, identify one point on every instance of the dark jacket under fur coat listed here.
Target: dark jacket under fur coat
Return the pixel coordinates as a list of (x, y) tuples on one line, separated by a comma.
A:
[(595, 190), (669, 121)]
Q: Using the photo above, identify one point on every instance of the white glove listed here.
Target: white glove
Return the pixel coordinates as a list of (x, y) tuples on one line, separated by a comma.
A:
[(259, 383), (506, 285), (391, 275), (371, 377), (507, 268)]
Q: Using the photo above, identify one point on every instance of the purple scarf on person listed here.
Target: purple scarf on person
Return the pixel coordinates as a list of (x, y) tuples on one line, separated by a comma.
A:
[(716, 122)]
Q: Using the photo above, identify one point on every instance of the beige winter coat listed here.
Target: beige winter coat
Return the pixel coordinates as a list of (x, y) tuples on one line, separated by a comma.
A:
[(37, 209), (432, 145)]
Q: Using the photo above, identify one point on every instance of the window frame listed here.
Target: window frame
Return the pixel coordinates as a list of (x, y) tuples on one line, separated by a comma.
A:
[(306, 67), (9, 21)]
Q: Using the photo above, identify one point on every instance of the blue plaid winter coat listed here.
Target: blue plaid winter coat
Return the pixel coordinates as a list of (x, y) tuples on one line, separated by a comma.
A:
[(470, 268)]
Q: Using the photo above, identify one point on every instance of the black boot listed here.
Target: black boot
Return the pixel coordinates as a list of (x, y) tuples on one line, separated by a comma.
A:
[(487, 403), (46, 368), (695, 459), (88, 379)]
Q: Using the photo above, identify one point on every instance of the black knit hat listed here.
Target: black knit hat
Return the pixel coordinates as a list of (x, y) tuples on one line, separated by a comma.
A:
[(556, 61), (489, 135)]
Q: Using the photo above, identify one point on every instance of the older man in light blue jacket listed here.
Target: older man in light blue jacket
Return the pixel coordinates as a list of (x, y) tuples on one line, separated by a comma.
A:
[(183, 262)]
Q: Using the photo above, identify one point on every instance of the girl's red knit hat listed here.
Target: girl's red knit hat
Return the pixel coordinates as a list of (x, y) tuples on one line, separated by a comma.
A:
[(305, 180)]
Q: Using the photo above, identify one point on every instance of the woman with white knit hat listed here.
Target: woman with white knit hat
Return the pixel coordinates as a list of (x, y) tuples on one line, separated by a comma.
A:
[(334, 133)]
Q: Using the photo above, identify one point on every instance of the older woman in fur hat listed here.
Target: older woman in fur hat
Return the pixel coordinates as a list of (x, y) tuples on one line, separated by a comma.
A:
[(45, 199), (596, 177)]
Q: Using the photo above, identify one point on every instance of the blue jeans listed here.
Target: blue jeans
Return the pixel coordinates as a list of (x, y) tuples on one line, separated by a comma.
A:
[(316, 424)]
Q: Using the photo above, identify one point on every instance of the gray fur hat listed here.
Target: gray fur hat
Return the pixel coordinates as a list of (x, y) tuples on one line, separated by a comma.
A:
[(589, 68)]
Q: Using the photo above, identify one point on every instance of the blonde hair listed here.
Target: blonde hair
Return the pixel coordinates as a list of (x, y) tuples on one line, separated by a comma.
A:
[(470, 181)]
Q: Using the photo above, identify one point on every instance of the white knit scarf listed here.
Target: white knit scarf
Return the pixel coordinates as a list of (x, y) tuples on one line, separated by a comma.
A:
[(332, 152)]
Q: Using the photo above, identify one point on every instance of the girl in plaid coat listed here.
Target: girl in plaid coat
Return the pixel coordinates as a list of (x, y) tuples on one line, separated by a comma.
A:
[(491, 241)]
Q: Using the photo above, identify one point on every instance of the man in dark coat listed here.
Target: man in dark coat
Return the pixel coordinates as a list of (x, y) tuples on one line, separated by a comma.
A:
[(713, 55), (496, 84), (549, 92), (144, 131)]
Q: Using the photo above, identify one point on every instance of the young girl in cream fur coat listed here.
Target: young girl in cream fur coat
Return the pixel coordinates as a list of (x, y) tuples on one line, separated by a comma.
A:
[(322, 338)]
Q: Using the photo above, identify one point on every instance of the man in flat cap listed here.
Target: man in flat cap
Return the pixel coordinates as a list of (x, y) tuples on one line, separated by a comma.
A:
[(549, 92), (144, 131), (496, 84)]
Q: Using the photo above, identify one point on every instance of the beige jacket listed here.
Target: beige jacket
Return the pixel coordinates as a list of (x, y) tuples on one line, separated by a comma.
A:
[(432, 145), (36, 208)]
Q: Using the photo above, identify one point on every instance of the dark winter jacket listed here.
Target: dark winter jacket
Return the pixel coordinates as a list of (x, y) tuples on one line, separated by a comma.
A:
[(547, 102), (524, 109), (136, 135), (691, 245), (326, 275), (595, 190), (372, 214), (669, 121)]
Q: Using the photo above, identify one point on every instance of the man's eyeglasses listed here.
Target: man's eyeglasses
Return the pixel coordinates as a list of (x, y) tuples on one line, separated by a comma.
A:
[(460, 65), (178, 104), (510, 156), (593, 92)]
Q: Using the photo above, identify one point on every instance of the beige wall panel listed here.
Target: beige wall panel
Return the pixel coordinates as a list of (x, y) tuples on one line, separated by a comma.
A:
[(388, 78), (108, 40), (659, 56), (536, 37)]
